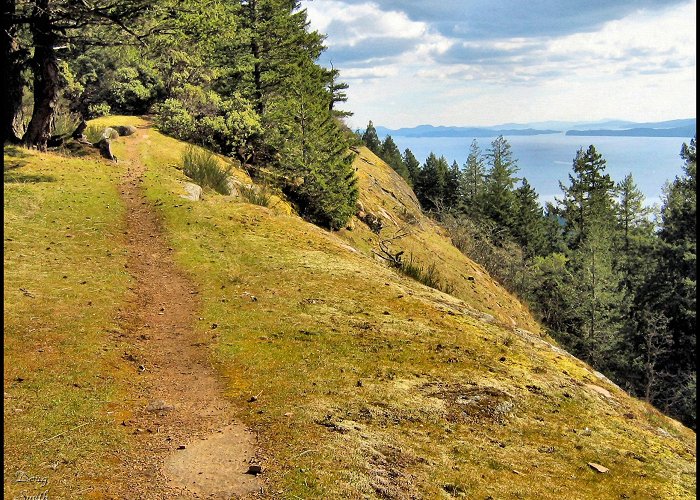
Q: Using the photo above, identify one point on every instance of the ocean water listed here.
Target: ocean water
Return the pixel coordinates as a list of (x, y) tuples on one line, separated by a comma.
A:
[(544, 160)]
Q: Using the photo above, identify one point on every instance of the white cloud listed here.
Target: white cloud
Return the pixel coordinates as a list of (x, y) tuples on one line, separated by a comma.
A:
[(402, 72), (352, 24)]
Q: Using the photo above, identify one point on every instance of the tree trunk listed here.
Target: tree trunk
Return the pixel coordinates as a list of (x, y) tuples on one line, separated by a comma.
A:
[(255, 52), (11, 64), (46, 78)]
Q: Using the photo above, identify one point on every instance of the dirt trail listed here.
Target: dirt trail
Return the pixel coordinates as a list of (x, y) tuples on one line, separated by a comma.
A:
[(186, 443)]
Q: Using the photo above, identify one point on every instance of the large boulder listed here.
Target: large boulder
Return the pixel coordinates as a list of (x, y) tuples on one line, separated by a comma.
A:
[(124, 130), (194, 192)]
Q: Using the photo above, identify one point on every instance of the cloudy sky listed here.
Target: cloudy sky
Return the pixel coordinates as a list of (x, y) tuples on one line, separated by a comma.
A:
[(488, 62)]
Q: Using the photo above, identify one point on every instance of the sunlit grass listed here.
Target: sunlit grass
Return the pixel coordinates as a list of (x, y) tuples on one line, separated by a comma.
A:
[(367, 383), (357, 370), (64, 279)]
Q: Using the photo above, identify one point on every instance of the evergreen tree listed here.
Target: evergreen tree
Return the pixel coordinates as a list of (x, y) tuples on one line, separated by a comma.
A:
[(313, 147), (671, 291), (474, 177), (588, 210), (499, 198), (553, 230), (54, 24), (430, 188), (598, 298), (528, 227), (371, 140), (412, 166), (336, 91), (588, 200), (275, 43), (636, 235), (554, 293), (452, 195), (392, 156)]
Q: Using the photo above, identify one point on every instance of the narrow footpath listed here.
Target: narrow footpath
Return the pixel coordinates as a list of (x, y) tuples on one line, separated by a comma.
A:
[(185, 441)]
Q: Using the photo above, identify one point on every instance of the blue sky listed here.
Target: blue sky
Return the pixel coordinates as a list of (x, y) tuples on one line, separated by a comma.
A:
[(487, 62)]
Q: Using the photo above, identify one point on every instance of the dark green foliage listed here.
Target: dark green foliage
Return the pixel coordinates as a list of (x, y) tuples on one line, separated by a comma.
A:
[(610, 288), (431, 184), (390, 154), (453, 193), (635, 238), (670, 291), (371, 140), (203, 167), (553, 226), (314, 148), (554, 294), (412, 165), (336, 91), (588, 200), (500, 180), (473, 179), (528, 222)]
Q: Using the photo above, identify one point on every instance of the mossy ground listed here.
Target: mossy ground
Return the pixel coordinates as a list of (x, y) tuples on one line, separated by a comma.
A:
[(368, 384)]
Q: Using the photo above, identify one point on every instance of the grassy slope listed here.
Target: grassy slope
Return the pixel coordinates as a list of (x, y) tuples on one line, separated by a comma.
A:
[(64, 281), (386, 195), (369, 383)]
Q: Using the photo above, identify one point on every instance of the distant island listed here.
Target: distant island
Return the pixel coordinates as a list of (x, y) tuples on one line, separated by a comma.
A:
[(670, 128), (687, 131), (432, 131)]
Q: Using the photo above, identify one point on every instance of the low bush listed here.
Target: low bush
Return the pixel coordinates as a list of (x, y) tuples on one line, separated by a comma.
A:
[(99, 109), (203, 167), (93, 133), (256, 195), (428, 275), (65, 123)]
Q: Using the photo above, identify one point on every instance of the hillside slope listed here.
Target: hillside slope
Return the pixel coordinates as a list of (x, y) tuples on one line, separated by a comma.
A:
[(386, 197), (359, 382)]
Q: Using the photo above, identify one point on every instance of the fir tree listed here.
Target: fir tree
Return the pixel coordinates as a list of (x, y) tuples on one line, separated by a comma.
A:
[(336, 91), (588, 200), (430, 188), (412, 166), (636, 234), (528, 228), (392, 156), (371, 140), (588, 211), (313, 147), (453, 191), (671, 290), (499, 198), (474, 177)]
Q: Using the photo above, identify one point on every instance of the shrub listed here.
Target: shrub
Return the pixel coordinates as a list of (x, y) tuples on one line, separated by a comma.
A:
[(94, 133), (428, 275), (65, 123), (256, 195), (128, 92), (98, 109), (173, 119), (203, 167)]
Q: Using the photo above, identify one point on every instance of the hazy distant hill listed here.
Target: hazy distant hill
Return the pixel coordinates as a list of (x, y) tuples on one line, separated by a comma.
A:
[(686, 131), (441, 131), (670, 128)]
